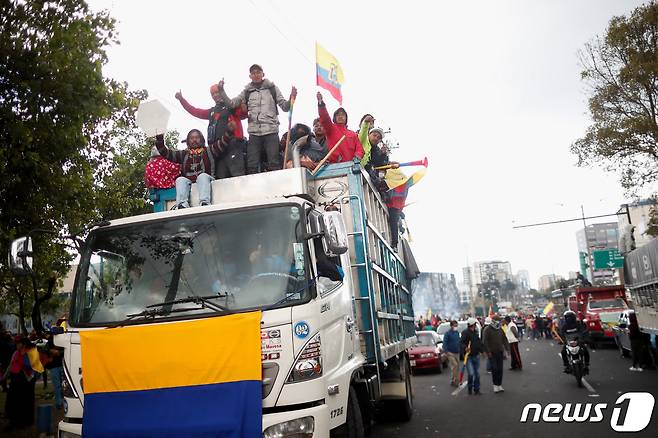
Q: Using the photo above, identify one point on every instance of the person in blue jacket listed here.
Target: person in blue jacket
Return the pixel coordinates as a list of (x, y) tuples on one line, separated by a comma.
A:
[(451, 348)]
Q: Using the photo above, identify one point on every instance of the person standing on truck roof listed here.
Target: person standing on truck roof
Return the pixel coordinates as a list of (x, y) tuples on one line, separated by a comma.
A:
[(261, 97), (496, 345), (335, 129), (220, 118), (197, 162), (472, 345)]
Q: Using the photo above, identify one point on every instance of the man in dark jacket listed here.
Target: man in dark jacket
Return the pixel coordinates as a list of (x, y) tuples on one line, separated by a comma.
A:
[(310, 151), (451, 346), (496, 346), (572, 328), (471, 345)]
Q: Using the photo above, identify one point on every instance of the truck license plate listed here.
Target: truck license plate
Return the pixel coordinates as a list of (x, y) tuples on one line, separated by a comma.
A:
[(413, 363)]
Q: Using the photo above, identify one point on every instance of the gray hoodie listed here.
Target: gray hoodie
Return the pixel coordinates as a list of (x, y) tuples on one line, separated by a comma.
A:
[(262, 118)]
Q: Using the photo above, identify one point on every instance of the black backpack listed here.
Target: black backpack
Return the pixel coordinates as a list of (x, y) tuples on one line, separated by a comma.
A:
[(217, 123), (248, 92)]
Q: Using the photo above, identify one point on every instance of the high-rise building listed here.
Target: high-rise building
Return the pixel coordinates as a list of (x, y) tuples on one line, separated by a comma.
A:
[(489, 271), (596, 237), (548, 282)]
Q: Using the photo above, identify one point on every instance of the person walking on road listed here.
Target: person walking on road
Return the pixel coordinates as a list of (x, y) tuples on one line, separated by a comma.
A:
[(471, 344), (487, 323), (513, 337), (451, 347), (496, 347)]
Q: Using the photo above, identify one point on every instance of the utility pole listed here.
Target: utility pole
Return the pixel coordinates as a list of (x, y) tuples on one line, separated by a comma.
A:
[(589, 253)]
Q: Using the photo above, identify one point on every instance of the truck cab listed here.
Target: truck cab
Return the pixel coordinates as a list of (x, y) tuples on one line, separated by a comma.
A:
[(599, 308)]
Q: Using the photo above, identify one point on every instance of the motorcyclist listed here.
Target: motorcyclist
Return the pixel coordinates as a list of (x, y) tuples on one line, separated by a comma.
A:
[(571, 329)]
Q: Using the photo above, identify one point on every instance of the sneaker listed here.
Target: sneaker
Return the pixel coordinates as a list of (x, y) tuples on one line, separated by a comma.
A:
[(639, 369), (632, 369), (500, 388), (496, 389), (478, 392)]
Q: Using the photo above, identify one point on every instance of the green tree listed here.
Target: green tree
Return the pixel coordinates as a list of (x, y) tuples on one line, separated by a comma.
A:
[(65, 136), (621, 72)]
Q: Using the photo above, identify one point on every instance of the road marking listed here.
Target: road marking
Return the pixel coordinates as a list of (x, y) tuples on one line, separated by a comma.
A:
[(585, 382), (459, 388), (587, 385)]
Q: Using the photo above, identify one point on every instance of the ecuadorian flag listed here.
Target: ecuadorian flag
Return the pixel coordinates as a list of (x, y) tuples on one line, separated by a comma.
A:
[(328, 72), (192, 378)]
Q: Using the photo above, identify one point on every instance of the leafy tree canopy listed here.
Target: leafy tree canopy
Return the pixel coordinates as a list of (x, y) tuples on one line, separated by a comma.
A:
[(621, 72)]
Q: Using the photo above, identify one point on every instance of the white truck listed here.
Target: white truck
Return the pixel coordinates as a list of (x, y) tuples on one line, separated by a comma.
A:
[(334, 351)]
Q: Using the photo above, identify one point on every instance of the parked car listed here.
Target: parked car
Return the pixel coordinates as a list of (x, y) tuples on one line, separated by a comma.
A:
[(620, 330), (426, 354)]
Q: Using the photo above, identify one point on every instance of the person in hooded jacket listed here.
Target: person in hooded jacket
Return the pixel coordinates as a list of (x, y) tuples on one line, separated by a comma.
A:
[(572, 328), (261, 96), (334, 130), (310, 151)]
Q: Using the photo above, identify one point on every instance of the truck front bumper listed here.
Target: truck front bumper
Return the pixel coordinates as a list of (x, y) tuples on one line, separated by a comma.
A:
[(320, 416)]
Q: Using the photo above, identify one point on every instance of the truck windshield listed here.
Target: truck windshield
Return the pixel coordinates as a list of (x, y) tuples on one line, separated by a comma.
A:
[(616, 303), (241, 259)]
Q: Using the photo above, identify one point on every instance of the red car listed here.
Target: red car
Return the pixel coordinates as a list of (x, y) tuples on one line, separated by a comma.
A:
[(426, 354)]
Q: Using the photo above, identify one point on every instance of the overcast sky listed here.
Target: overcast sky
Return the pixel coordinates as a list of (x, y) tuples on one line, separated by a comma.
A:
[(489, 91)]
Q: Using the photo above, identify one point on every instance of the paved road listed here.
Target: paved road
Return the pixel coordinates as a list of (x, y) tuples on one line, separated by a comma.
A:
[(438, 413)]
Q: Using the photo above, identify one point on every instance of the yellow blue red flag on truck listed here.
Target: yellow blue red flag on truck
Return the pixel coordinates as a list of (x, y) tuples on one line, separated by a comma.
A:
[(549, 308), (191, 378), (329, 74)]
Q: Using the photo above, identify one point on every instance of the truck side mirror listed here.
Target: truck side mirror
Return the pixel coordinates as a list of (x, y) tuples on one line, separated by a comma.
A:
[(335, 236), (20, 256)]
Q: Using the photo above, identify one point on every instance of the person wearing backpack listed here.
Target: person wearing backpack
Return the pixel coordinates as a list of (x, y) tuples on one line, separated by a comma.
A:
[(230, 162), (261, 96)]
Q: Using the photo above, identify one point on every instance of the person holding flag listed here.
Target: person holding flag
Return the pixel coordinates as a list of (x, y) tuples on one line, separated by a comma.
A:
[(471, 348), (337, 134), (261, 97), (399, 185)]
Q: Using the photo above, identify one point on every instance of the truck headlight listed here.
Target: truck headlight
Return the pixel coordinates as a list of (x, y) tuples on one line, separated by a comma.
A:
[(309, 363), (298, 428)]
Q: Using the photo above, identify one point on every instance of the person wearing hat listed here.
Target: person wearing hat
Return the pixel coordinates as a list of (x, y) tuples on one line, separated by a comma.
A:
[(335, 128), (220, 118), (197, 165), (487, 324), (261, 97), (471, 344), (496, 346)]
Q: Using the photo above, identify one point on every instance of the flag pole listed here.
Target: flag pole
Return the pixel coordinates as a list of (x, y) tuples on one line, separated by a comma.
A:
[(326, 157), (285, 151)]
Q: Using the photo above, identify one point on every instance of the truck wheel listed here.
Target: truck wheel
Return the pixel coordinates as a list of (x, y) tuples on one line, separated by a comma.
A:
[(353, 427)]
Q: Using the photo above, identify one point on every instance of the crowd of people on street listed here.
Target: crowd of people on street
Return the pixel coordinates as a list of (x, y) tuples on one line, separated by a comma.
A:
[(22, 365), (227, 152), (494, 339)]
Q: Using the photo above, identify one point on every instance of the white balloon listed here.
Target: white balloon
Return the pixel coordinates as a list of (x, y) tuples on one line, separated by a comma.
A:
[(152, 117)]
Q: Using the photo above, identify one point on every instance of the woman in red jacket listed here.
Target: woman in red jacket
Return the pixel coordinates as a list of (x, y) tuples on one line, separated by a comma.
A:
[(334, 130)]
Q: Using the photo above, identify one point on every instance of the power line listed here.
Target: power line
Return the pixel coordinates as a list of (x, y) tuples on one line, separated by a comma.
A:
[(567, 220), (281, 33)]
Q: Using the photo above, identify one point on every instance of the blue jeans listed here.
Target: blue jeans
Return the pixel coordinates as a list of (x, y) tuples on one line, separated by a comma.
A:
[(56, 377), (473, 368), (183, 186)]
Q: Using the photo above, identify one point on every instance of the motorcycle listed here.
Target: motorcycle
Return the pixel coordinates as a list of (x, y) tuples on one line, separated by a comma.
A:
[(576, 360)]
